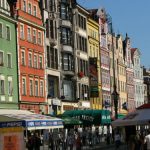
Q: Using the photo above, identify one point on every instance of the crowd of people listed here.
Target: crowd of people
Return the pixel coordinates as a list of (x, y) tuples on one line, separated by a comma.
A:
[(67, 139), (77, 138)]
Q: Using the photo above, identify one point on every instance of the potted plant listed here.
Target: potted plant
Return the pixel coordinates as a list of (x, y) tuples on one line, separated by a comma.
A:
[(81, 74)]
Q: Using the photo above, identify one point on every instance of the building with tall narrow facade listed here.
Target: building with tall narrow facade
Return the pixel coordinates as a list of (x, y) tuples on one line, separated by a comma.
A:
[(8, 57), (94, 64), (121, 64), (31, 58), (138, 77), (129, 75), (105, 59)]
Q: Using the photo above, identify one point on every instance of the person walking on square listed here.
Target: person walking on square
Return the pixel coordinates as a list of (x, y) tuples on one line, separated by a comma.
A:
[(147, 140)]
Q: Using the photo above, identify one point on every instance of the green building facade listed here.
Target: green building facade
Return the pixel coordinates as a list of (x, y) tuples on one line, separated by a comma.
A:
[(8, 59)]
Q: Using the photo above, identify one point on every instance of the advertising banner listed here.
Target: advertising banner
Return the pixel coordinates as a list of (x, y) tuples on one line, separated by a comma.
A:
[(93, 77)]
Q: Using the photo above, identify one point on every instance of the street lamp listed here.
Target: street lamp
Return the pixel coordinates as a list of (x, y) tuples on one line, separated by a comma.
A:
[(115, 95)]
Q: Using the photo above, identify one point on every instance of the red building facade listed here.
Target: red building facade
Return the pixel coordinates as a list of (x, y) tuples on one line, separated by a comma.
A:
[(30, 34)]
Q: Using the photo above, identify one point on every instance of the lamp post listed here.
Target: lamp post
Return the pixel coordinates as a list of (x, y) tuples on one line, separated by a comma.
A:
[(115, 95)]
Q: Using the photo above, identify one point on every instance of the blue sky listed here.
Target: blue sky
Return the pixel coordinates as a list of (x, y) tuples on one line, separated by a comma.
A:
[(129, 16)]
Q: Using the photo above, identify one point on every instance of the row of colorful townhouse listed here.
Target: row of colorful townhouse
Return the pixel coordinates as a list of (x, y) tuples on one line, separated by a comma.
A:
[(55, 55)]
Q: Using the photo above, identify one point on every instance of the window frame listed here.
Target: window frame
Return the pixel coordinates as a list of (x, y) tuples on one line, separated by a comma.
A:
[(2, 90), (24, 86), (8, 37), (1, 31), (39, 41), (22, 36), (30, 61), (29, 36), (40, 62), (35, 11), (36, 93), (10, 88), (35, 66), (41, 94), (34, 36), (30, 11), (10, 60), (2, 64), (24, 6), (31, 93), (23, 63)]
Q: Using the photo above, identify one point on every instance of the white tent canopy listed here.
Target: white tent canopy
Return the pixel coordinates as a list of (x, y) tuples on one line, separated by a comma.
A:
[(27, 119), (138, 117)]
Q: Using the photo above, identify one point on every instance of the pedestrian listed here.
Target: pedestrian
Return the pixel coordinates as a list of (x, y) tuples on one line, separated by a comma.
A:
[(117, 140), (70, 141), (147, 140), (51, 143), (30, 142), (78, 142), (37, 141)]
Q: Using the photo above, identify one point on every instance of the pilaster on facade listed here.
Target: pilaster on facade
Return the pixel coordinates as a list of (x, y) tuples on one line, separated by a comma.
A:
[(31, 59)]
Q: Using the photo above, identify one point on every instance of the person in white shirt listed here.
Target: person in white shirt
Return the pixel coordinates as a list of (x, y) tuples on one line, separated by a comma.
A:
[(117, 140), (147, 140)]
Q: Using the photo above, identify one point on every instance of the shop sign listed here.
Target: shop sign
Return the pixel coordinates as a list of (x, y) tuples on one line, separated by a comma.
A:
[(43, 123), (12, 124), (57, 102)]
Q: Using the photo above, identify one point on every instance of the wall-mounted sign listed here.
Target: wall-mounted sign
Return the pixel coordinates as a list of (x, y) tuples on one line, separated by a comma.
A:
[(93, 77)]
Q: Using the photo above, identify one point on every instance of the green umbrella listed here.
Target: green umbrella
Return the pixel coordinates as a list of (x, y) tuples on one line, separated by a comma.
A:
[(71, 121)]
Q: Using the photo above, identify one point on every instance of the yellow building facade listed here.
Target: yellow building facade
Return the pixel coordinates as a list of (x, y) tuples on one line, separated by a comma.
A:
[(94, 64), (121, 75)]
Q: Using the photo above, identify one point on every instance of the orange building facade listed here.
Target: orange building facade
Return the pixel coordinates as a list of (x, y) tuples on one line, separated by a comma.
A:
[(31, 74)]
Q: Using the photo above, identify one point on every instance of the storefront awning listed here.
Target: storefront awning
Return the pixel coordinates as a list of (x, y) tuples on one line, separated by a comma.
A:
[(90, 117), (31, 121)]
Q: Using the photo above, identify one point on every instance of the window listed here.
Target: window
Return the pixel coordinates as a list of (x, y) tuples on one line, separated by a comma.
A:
[(52, 57), (1, 58), (23, 57), (68, 90), (41, 89), (66, 36), (1, 30), (10, 88), (34, 10), (24, 5), (82, 22), (34, 36), (29, 34), (65, 11), (29, 9), (40, 62), (35, 61), (2, 86), (30, 59), (9, 59), (68, 62), (31, 87), (22, 31), (36, 88), (39, 38), (82, 43), (23, 86), (7, 33)]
